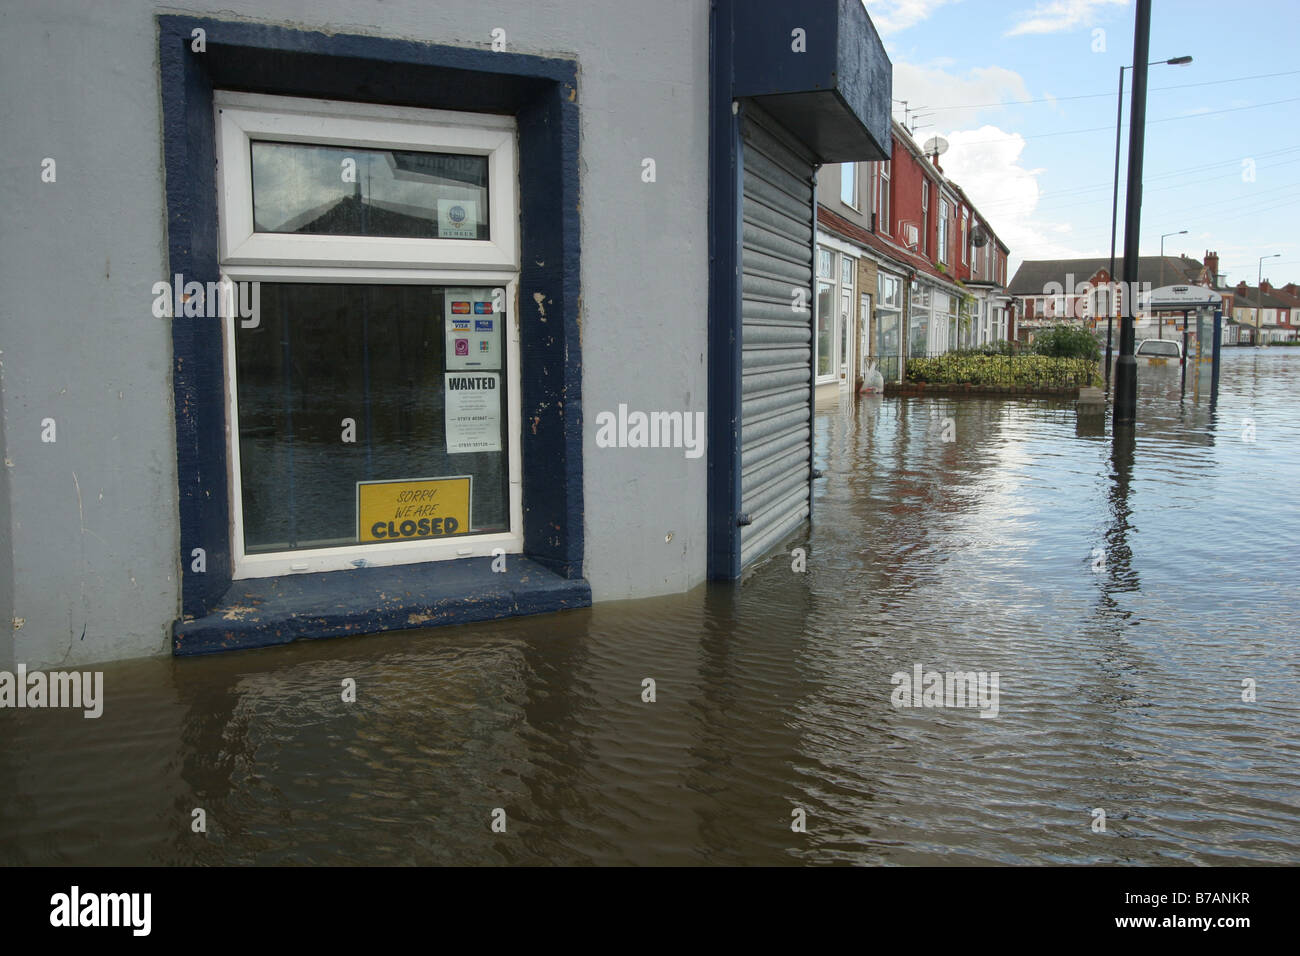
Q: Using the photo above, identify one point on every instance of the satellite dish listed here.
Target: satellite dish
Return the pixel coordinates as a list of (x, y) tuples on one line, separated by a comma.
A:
[(979, 238), (936, 146)]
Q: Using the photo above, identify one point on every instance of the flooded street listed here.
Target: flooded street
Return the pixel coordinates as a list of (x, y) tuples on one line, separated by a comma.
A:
[(1122, 596)]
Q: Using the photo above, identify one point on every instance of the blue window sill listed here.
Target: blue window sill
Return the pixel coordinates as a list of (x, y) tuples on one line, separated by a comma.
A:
[(259, 612)]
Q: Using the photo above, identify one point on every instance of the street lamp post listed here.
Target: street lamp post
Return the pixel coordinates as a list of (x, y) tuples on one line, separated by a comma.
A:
[(1160, 323), (1112, 304), (1259, 294), (1125, 410)]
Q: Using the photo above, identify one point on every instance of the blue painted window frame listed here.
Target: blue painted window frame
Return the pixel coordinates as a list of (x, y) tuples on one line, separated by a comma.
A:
[(541, 93)]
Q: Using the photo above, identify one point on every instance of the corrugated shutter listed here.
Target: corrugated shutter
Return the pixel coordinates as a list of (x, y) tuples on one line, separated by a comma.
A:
[(776, 343)]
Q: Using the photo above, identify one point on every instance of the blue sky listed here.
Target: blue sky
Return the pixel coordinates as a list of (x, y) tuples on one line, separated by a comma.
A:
[(1231, 178)]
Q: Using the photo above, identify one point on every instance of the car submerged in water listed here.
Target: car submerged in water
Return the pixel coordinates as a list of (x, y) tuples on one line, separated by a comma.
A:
[(1161, 349)]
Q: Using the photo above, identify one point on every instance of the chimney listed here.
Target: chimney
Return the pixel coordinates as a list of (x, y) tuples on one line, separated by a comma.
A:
[(1241, 287), (1264, 286), (1212, 266), (1290, 289)]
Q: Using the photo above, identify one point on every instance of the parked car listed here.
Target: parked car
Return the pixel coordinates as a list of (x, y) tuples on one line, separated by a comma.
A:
[(1160, 348)]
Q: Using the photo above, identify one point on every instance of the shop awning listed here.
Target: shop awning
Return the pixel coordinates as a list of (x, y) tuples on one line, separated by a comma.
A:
[(818, 68)]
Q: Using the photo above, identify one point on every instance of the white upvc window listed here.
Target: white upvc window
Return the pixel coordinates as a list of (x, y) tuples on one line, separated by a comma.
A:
[(925, 216), (882, 220), (849, 184), (943, 230), (378, 248)]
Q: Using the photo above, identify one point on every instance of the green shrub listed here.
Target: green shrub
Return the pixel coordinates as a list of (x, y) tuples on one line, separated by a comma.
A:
[(997, 371), (1002, 347), (1066, 341)]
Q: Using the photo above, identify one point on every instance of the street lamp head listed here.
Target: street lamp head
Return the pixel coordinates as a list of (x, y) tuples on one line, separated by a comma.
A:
[(1179, 61)]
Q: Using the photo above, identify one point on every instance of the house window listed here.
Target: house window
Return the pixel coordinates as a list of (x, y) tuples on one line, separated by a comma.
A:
[(925, 217), (943, 230), (849, 184), (373, 393), (884, 198), (965, 242), (825, 340), (825, 263)]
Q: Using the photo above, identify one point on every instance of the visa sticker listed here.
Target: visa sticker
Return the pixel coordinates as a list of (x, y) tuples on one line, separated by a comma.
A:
[(460, 325), (482, 325)]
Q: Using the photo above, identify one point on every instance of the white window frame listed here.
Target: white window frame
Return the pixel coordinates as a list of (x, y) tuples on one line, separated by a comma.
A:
[(942, 240), (882, 220), (348, 259), (244, 117), (925, 217), (852, 170), (827, 259)]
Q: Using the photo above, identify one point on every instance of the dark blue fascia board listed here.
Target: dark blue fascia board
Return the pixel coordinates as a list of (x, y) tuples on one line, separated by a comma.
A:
[(260, 612), (542, 94), (835, 96), (725, 236)]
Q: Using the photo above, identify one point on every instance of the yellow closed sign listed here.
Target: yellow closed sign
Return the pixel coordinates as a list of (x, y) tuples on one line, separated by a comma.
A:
[(412, 509)]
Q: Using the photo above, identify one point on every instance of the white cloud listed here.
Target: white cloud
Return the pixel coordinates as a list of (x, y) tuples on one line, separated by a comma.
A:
[(893, 16), (985, 162), (952, 97), (1056, 16)]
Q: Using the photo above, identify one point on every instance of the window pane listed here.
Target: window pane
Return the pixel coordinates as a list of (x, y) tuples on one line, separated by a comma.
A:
[(846, 313), (825, 326), (377, 355), (347, 191)]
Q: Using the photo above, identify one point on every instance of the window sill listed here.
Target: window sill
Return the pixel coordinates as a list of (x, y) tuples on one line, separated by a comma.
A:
[(259, 612)]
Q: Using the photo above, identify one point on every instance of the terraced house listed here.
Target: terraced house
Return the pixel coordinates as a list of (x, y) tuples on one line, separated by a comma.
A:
[(1075, 291), (1264, 314), (906, 267)]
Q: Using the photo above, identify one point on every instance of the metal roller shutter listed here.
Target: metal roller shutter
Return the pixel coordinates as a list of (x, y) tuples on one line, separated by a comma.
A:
[(776, 343)]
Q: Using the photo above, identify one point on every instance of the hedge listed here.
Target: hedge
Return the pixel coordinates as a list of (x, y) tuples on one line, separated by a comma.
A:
[(1021, 371)]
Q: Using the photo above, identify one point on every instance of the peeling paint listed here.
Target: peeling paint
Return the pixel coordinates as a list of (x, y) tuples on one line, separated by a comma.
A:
[(237, 612)]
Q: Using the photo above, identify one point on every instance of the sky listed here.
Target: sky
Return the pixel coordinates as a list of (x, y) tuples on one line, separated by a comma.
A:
[(1025, 93)]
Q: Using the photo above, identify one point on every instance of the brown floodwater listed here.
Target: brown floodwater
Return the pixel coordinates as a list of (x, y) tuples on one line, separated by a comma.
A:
[(1121, 591)]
